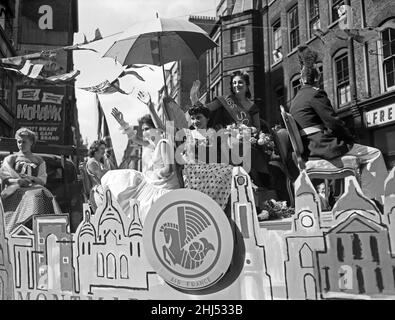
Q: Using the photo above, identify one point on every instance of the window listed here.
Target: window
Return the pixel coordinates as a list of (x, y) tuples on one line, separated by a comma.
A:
[(124, 268), (295, 85), (111, 267), (314, 16), (293, 22), (342, 77), (336, 4), (340, 250), (215, 55), (388, 56), (216, 90), (277, 42), (360, 280), (379, 279), (65, 260), (238, 40), (306, 256), (327, 279), (356, 247), (41, 241), (374, 248), (100, 265), (6, 84)]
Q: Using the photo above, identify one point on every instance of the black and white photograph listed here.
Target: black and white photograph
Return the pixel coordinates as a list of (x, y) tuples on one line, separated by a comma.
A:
[(194, 156)]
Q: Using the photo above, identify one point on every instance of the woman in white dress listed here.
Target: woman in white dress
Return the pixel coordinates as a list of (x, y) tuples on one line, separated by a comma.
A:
[(159, 176)]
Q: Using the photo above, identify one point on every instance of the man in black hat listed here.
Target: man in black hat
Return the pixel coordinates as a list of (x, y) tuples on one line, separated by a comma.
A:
[(326, 136)]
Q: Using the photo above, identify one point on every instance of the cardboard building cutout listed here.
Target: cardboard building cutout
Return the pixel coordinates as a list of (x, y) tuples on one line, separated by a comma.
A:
[(344, 253)]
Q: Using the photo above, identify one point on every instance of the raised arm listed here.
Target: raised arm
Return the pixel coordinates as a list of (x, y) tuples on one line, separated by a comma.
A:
[(194, 96), (145, 98), (127, 129)]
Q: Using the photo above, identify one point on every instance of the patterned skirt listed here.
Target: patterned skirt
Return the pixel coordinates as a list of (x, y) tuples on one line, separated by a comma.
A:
[(214, 180), (24, 203)]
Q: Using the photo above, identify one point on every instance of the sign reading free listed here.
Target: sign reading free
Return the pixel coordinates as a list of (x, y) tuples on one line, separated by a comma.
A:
[(42, 110), (380, 116)]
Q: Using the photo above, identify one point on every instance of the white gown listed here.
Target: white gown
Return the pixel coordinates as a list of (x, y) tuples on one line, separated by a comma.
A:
[(146, 187)]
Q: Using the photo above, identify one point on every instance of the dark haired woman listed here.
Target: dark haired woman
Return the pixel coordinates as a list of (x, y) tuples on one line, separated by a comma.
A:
[(237, 108), (24, 174), (96, 168), (202, 171)]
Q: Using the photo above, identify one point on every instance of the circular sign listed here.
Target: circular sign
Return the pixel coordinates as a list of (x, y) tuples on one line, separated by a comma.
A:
[(188, 239)]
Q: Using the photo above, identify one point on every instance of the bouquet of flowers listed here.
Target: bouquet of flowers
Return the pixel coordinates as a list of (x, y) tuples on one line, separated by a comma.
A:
[(239, 132), (275, 210)]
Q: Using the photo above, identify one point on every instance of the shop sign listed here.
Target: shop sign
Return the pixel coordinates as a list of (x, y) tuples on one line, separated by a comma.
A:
[(380, 116), (42, 110)]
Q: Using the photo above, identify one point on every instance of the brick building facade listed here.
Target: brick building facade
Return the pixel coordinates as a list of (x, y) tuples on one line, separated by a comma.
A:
[(7, 80), (366, 104), (238, 32)]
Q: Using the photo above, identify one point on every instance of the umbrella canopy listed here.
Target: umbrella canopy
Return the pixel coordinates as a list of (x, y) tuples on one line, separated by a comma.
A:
[(160, 41)]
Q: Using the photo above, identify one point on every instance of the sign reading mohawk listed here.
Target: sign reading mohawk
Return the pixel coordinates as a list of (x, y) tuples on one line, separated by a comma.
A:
[(307, 60)]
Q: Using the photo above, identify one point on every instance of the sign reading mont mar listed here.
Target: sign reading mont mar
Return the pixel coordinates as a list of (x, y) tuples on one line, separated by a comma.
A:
[(380, 116), (42, 110), (188, 240)]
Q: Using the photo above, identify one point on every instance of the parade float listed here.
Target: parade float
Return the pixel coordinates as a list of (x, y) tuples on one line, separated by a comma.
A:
[(189, 248)]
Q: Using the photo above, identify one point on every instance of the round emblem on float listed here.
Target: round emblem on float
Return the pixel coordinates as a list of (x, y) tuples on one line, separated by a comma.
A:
[(188, 239)]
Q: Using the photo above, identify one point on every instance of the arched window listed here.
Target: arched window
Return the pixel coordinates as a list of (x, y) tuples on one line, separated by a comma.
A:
[(124, 268), (342, 78), (111, 267), (310, 288), (386, 55), (100, 265)]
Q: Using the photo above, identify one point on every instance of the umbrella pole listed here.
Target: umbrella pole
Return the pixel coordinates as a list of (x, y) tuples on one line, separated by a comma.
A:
[(163, 66)]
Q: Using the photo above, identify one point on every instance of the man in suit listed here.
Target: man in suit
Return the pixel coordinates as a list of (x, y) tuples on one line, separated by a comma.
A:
[(326, 136)]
